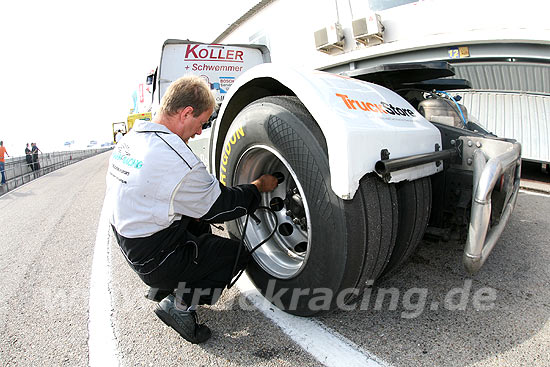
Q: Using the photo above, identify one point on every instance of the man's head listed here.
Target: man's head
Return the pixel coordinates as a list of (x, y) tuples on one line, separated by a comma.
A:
[(186, 105), (1, 143), (187, 91)]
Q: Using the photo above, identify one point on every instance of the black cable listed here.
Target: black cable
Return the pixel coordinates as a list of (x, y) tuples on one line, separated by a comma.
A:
[(234, 276)]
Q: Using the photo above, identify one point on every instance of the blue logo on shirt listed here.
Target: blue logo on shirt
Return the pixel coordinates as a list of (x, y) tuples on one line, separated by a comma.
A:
[(128, 161)]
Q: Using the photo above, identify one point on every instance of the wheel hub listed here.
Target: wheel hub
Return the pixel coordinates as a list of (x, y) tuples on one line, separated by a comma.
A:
[(286, 253)]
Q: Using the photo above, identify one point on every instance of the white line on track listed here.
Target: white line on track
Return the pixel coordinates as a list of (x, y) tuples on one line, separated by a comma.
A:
[(326, 346), (102, 343), (534, 193)]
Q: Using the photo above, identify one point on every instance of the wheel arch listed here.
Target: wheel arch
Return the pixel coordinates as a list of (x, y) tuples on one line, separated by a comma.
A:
[(249, 92), (348, 132)]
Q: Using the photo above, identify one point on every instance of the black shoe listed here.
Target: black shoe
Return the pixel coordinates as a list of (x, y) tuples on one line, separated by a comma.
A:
[(184, 322), (157, 295)]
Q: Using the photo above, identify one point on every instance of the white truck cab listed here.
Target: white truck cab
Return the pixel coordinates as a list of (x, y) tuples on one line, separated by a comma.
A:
[(371, 159)]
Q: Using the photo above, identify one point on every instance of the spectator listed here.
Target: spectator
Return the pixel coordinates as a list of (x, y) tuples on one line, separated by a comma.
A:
[(2, 151), (28, 157), (35, 151), (118, 136)]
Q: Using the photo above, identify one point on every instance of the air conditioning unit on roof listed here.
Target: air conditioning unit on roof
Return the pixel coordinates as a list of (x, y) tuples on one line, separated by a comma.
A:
[(368, 30), (330, 39)]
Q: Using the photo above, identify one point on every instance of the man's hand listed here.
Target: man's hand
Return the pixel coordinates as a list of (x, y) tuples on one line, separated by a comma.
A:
[(266, 183)]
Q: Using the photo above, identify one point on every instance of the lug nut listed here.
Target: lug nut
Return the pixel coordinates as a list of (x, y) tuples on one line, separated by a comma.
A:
[(470, 161), (470, 143), (289, 213), (453, 142), (478, 144)]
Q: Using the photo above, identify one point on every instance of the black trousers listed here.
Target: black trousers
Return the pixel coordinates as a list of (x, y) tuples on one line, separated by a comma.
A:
[(199, 268)]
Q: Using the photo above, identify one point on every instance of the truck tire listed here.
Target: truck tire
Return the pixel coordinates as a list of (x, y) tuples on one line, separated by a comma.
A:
[(325, 248), (415, 203)]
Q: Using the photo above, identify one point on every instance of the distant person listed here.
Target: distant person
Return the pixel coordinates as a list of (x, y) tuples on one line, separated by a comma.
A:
[(35, 151), (2, 152), (118, 136), (28, 157)]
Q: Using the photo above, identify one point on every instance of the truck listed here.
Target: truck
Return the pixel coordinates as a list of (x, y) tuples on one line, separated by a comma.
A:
[(369, 160), (126, 126), (141, 109)]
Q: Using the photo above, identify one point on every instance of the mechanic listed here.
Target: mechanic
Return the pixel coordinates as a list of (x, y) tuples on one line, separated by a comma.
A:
[(163, 199)]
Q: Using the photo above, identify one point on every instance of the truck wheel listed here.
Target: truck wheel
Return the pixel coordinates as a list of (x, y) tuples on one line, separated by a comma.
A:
[(415, 203), (325, 248)]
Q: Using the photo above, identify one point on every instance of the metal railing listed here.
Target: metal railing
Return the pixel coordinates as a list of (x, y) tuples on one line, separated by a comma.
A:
[(18, 172)]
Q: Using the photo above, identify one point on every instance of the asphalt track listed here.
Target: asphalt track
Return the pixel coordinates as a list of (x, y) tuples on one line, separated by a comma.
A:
[(55, 254)]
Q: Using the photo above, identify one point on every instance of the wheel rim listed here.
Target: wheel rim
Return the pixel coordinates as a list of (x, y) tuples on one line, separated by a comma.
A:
[(286, 253)]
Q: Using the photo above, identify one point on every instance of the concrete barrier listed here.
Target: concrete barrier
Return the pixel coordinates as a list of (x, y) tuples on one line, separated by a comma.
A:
[(18, 172)]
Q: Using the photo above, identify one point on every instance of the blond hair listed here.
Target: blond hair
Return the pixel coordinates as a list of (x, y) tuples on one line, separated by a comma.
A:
[(190, 90)]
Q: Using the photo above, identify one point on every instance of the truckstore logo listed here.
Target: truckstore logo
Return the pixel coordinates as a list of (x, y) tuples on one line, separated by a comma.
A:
[(382, 107), (227, 151)]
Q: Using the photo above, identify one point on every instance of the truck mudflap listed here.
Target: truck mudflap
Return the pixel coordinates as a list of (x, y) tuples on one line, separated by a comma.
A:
[(495, 163)]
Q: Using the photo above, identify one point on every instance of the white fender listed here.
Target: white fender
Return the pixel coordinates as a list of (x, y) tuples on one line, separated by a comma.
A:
[(358, 120)]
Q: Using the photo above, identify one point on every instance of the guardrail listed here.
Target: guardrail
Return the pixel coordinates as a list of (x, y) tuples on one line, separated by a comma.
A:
[(18, 172)]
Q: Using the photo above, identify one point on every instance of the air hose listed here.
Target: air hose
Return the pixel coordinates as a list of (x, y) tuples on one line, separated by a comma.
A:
[(235, 276)]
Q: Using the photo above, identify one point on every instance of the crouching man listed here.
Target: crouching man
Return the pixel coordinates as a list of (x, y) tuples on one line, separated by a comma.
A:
[(163, 198)]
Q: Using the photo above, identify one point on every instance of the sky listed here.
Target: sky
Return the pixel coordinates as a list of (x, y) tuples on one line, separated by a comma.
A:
[(69, 68)]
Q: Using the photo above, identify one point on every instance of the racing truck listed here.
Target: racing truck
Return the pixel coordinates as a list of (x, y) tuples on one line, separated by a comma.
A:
[(369, 162)]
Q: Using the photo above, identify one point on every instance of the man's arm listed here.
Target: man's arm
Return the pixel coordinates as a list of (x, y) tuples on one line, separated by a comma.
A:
[(201, 195), (234, 202)]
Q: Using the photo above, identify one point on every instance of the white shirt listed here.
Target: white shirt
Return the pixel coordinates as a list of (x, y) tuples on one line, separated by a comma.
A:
[(153, 179)]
